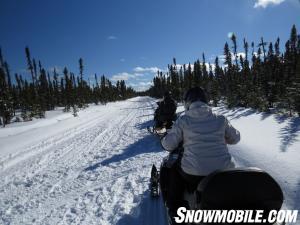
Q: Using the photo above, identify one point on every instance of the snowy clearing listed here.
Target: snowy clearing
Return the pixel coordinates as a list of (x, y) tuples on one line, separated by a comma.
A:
[(94, 169)]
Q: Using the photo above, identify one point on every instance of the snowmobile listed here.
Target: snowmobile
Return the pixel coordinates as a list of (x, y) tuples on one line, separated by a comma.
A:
[(246, 188), (163, 128), (160, 132), (162, 120)]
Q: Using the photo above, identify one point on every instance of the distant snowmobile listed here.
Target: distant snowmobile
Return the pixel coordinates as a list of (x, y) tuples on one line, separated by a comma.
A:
[(239, 188), (161, 129), (165, 113)]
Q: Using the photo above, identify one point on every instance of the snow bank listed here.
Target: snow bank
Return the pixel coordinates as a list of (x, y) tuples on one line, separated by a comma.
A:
[(270, 142)]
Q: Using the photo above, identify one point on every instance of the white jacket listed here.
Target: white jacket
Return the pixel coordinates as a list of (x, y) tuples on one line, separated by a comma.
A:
[(205, 136)]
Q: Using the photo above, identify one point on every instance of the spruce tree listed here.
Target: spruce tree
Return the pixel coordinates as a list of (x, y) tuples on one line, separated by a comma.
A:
[(29, 64)]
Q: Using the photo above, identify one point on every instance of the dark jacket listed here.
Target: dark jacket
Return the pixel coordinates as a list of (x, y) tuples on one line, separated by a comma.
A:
[(167, 108)]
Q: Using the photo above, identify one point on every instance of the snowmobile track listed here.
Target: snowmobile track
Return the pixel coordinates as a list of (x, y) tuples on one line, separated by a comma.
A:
[(94, 173)]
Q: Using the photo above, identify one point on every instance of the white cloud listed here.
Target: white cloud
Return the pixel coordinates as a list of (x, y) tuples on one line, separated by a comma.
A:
[(179, 66), (265, 3), (111, 37), (140, 78), (126, 76), (141, 86), (229, 35), (122, 76), (145, 83), (146, 69), (222, 57), (241, 54), (136, 72), (139, 74), (213, 66)]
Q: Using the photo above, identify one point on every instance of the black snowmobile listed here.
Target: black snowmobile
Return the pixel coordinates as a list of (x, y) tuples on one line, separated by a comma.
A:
[(163, 127), (238, 188), (164, 115)]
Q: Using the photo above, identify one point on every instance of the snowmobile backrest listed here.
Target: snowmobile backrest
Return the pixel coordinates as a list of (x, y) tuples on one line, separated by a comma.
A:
[(240, 188)]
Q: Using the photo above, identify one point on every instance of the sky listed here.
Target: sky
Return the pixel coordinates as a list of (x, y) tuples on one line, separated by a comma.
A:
[(132, 39)]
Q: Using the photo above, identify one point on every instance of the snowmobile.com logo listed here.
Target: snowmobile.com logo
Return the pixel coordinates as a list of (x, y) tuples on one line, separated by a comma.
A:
[(235, 216)]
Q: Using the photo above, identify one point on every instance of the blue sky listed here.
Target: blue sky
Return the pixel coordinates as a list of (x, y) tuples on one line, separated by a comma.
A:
[(132, 39)]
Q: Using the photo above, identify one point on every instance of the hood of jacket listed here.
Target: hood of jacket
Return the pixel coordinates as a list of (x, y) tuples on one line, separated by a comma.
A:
[(198, 109)]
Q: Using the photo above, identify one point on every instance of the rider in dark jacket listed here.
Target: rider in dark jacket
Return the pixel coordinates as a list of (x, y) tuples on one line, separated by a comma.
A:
[(165, 114)]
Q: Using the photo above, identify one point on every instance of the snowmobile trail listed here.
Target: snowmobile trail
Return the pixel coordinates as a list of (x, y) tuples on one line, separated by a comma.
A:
[(93, 173)]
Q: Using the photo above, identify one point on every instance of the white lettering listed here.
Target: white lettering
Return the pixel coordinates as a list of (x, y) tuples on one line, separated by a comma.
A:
[(272, 216), (180, 213), (239, 216), (258, 216)]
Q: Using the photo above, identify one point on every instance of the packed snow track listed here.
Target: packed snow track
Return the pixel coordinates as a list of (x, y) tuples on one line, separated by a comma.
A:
[(96, 172)]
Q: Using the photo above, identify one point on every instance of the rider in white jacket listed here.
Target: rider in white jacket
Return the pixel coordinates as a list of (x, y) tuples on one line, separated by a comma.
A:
[(205, 136)]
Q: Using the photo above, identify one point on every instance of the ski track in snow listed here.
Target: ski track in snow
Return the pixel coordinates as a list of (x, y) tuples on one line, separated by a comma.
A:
[(95, 173), (96, 170)]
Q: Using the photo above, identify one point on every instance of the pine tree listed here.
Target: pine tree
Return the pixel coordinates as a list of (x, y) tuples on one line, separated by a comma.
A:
[(6, 109), (81, 87), (296, 87), (262, 45), (1, 59), (29, 64), (233, 38), (229, 76)]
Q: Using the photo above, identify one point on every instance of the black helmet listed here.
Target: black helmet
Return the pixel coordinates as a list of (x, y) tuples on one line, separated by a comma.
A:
[(167, 94), (195, 94)]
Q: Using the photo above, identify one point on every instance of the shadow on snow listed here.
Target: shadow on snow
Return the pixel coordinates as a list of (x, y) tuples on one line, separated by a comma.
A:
[(146, 115), (289, 133), (142, 107), (147, 144), (144, 125)]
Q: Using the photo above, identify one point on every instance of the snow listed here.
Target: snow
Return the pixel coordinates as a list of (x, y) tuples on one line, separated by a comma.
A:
[(92, 169), (270, 142), (95, 168)]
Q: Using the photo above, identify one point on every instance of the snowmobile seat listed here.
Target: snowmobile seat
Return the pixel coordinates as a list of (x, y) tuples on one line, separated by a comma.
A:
[(240, 188)]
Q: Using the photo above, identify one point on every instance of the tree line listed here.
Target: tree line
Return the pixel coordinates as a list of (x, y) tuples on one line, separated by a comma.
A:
[(23, 99), (262, 77)]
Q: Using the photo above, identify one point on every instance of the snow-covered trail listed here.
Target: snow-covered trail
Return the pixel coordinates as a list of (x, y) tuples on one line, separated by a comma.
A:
[(94, 173)]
